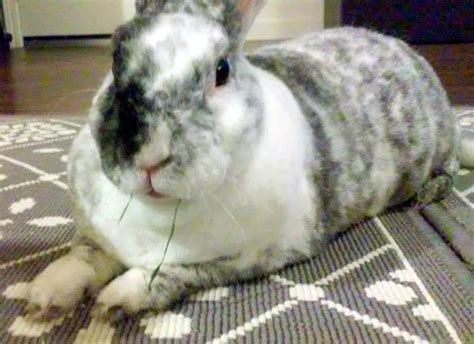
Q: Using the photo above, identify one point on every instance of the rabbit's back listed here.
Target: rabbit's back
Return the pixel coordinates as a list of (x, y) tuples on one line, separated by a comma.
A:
[(381, 121)]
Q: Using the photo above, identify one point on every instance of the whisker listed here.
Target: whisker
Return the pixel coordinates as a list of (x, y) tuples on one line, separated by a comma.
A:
[(125, 209), (242, 231), (204, 201), (237, 188)]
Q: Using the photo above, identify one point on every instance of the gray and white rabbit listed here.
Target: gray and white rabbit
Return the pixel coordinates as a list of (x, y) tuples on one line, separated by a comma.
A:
[(268, 156)]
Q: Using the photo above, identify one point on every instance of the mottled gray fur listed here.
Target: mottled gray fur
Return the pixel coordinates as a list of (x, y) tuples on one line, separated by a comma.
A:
[(366, 90)]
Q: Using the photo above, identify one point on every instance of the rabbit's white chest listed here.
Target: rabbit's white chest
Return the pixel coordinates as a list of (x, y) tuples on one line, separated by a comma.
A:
[(209, 231)]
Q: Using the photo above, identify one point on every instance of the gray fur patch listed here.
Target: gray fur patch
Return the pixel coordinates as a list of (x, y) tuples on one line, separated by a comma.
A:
[(359, 90)]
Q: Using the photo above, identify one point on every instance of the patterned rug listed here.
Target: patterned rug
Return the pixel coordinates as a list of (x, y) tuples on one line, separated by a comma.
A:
[(405, 276)]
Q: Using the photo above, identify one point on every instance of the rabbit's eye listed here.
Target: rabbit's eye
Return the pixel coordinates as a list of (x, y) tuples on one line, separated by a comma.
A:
[(222, 72)]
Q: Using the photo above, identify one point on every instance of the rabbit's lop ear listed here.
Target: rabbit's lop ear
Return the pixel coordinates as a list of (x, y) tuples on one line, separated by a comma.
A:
[(149, 6), (249, 9)]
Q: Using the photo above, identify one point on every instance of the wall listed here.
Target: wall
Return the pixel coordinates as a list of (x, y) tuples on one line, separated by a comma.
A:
[(288, 18), (280, 19), (72, 17)]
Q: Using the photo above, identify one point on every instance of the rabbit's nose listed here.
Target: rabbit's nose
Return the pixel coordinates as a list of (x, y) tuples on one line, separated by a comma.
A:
[(152, 169), (147, 183)]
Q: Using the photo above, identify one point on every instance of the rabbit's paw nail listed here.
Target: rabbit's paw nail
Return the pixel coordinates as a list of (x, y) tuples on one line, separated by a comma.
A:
[(113, 315), (47, 301), (47, 313)]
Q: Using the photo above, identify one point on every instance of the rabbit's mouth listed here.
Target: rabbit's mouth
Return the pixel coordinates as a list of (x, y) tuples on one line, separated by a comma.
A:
[(156, 195)]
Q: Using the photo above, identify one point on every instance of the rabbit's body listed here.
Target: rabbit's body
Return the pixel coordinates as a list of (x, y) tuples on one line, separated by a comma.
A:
[(268, 162), (364, 140), (381, 122)]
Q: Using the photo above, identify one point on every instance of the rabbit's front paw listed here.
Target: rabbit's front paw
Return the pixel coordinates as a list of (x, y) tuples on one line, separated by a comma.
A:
[(58, 289), (126, 295)]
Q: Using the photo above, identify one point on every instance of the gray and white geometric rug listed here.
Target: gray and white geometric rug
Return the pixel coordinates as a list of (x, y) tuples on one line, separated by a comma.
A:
[(403, 277)]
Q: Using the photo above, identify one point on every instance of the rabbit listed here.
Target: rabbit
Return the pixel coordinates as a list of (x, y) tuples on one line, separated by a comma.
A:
[(254, 162)]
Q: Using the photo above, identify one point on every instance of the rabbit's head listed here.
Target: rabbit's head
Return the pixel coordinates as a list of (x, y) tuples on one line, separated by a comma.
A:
[(181, 110)]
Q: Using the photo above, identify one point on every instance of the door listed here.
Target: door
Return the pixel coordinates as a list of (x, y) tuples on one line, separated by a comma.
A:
[(53, 18), (415, 21)]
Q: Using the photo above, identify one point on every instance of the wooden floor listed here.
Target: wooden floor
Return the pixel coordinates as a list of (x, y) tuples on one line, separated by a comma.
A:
[(64, 80), (51, 80)]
